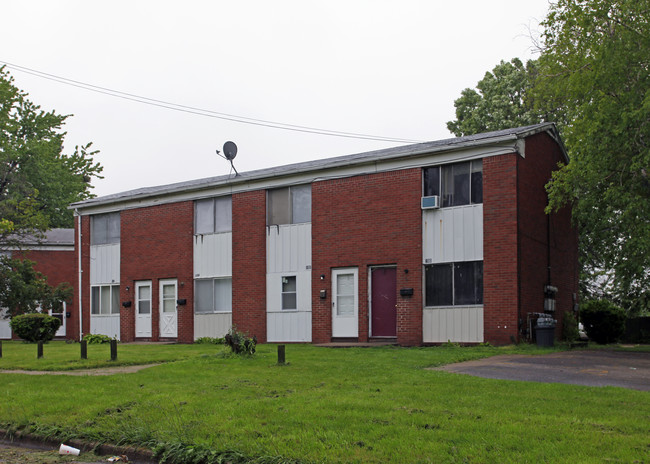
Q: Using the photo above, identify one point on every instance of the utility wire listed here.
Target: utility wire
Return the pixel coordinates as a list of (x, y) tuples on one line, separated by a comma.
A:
[(200, 111)]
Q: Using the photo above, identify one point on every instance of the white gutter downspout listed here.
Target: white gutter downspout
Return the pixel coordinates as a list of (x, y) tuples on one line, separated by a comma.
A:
[(76, 212)]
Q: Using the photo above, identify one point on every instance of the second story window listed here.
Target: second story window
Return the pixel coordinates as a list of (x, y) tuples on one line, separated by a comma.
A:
[(105, 229), (213, 215), (457, 184), (289, 205)]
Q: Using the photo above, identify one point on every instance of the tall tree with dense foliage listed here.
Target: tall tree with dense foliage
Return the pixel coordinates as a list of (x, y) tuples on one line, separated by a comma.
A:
[(593, 79), (25, 290), (501, 101), (37, 180), (595, 66)]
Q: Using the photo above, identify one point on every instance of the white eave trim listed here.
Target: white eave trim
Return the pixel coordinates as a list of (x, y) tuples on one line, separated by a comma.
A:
[(347, 166)]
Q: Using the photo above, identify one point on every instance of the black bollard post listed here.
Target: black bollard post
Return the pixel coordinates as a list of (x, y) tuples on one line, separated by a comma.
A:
[(0, 348), (281, 357), (84, 349), (39, 350), (113, 350)]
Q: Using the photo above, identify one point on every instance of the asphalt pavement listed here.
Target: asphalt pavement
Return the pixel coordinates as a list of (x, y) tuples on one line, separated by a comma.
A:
[(598, 368)]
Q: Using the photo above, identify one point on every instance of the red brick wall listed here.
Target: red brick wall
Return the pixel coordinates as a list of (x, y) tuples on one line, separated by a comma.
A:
[(249, 263), (542, 157), (157, 243), (500, 273), (515, 244), (58, 267), (363, 221)]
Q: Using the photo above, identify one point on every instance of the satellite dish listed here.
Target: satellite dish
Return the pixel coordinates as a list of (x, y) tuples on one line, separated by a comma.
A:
[(230, 150)]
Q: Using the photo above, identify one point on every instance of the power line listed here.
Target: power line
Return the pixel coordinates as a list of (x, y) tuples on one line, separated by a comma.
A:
[(200, 111)]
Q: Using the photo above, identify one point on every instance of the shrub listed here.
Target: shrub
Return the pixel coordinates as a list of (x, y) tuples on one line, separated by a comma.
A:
[(240, 343), (570, 331), (209, 341), (604, 322), (97, 339), (35, 327)]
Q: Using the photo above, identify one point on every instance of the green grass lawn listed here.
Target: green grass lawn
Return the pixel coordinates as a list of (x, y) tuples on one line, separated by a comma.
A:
[(327, 405)]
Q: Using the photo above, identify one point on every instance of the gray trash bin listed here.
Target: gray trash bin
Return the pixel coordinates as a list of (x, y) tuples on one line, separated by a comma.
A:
[(545, 332)]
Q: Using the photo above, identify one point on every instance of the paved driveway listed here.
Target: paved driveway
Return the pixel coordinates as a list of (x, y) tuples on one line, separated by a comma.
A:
[(592, 368)]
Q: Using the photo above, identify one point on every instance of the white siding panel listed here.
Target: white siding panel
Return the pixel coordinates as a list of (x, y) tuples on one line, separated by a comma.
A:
[(274, 291), (452, 234), (288, 326), (288, 248), (105, 264), (460, 324), (212, 325), (213, 255), (105, 325)]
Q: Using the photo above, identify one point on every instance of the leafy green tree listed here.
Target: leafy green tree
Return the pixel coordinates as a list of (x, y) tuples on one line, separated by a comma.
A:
[(24, 290), (501, 101), (37, 181), (593, 79), (595, 66)]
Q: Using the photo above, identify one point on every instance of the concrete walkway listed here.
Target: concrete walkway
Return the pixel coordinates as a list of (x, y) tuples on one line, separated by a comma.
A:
[(592, 368)]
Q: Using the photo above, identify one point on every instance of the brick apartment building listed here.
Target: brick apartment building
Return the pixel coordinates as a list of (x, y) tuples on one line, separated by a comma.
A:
[(427, 243), (54, 257)]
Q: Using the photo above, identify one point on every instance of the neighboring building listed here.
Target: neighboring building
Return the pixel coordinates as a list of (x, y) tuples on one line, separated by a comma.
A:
[(54, 257), (427, 243)]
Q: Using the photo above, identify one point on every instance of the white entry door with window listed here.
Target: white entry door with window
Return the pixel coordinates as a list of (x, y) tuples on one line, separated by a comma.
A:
[(168, 310), (143, 309), (60, 315), (345, 303)]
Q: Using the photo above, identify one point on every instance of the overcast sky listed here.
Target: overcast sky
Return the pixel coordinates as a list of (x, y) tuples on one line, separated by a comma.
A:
[(381, 68)]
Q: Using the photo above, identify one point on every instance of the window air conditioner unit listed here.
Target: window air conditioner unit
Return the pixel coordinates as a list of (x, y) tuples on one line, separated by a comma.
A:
[(432, 202)]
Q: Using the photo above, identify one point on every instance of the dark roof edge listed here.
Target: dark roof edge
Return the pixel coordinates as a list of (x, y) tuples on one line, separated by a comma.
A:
[(405, 151)]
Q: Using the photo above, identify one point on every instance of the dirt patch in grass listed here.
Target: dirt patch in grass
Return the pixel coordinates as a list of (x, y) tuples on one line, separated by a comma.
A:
[(16, 455), (81, 372)]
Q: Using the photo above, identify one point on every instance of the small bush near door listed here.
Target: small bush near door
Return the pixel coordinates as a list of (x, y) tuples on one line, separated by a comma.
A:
[(240, 343), (35, 327), (604, 322), (97, 339)]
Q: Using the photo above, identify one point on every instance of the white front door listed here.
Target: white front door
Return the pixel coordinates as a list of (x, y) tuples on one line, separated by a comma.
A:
[(5, 328), (345, 303), (168, 313), (143, 309), (61, 316)]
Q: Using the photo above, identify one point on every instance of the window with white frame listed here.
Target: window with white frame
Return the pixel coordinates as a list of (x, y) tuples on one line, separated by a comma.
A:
[(213, 215), (213, 295), (289, 205), (454, 284), (104, 300), (105, 229), (457, 184), (289, 292)]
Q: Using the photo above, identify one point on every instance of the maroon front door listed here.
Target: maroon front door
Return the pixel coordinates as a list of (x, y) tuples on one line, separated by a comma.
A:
[(384, 301)]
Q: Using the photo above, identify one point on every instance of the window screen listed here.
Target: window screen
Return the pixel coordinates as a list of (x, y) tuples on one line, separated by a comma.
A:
[(439, 285), (212, 295), (213, 215), (289, 300), (431, 181), (452, 284), (477, 182), (204, 217), (105, 228), (278, 208), (458, 184), (289, 205), (105, 300), (223, 214), (300, 204)]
